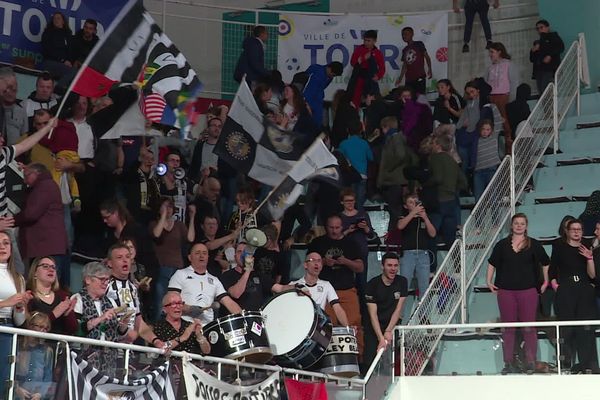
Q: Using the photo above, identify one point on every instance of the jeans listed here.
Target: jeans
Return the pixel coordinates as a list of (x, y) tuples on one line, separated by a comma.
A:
[(5, 351), (416, 262), (481, 8), (160, 288), (360, 190), (445, 221), (466, 146), (481, 178)]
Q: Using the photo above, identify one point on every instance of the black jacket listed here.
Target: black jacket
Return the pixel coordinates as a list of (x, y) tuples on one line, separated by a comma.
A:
[(550, 45), (81, 48)]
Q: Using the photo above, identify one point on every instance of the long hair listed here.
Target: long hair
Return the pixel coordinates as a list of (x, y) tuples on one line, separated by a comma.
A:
[(525, 244), (31, 277), (562, 228), (50, 26), (297, 100), (499, 47), (17, 278), (451, 87)]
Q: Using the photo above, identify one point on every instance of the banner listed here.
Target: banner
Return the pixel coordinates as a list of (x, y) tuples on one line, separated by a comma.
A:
[(314, 39), (91, 384), (24, 21), (202, 386)]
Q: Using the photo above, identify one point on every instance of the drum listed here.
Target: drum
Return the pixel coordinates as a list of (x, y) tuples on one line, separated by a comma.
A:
[(299, 330), (341, 358), (239, 336)]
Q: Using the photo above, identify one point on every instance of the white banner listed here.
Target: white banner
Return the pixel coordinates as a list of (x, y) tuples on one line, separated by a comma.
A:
[(314, 39), (202, 386)]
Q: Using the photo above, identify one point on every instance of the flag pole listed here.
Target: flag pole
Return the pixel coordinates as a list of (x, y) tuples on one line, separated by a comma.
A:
[(262, 203)]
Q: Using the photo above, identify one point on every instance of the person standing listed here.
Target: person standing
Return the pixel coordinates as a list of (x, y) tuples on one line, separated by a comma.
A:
[(414, 57), (204, 160), (417, 232), (199, 289), (15, 122), (571, 270), (318, 78), (516, 261), (473, 7), (342, 261), (252, 60), (502, 76), (385, 297), (369, 67), (41, 222), (545, 55)]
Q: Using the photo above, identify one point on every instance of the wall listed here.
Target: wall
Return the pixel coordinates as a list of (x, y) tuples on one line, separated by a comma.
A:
[(568, 21)]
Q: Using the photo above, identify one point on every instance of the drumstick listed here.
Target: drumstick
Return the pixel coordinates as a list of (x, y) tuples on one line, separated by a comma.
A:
[(195, 311)]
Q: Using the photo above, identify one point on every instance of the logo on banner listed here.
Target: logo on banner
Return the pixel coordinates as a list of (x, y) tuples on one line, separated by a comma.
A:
[(285, 28), (237, 145), (64, 3)]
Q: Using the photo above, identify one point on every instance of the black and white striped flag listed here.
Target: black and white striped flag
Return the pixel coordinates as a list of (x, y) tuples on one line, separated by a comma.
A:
[(91, 384), (134, 50)]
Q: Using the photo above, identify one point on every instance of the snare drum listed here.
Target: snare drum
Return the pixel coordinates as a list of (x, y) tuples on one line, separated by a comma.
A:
[(341, 358), (299, 330), (239, 336)]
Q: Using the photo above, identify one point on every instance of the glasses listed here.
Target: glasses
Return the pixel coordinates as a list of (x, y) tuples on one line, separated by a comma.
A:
[(41, 328), (47, 266), (175, 303), (102, 279)]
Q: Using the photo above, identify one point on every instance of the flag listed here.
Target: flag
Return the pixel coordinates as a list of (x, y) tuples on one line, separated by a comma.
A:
[(134, 50), (316, 163), (253, 146), (91, 384), (297, 390)]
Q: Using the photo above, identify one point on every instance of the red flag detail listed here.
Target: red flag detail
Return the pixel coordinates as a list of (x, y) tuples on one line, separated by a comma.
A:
[(92, 83), (297, 390)]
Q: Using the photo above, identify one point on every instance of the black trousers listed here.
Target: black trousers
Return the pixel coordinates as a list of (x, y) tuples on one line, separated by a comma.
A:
[(576, 301)]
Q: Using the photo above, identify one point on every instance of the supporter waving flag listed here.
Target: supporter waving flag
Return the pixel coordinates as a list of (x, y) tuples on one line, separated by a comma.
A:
[(134, 50)]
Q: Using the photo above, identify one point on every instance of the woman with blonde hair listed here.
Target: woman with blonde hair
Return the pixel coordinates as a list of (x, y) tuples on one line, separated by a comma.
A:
[(516, 261), (13, 302), (49, 297)]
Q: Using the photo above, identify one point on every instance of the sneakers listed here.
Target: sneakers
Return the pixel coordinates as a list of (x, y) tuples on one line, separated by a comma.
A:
[(465, 48)]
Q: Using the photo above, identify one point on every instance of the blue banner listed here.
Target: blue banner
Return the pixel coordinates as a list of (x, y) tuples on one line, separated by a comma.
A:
[(22, 23)]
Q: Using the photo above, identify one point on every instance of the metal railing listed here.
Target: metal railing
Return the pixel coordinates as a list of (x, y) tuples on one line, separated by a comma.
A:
[(566, 87), (406, 350), (380, 372), (449, 286)]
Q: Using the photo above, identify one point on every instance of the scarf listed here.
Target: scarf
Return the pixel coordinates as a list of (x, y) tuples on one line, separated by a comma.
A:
[(89, 311)]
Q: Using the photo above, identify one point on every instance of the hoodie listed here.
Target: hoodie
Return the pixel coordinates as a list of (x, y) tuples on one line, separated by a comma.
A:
[(519, 110)]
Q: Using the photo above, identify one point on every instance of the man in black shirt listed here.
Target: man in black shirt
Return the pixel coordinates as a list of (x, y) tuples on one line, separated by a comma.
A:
[(248, 287), (216, 241), (417, 232), (341, 261), (385, 295)]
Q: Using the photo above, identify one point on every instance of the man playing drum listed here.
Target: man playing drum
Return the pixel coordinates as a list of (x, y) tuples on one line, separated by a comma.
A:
[(199, 289), (385, 295), (319, 290)]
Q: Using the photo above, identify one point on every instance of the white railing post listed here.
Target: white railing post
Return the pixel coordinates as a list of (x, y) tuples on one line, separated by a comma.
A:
[(13, 367), (463, 279), (513, 200), (558, 363), (555, 114), (578, 80)]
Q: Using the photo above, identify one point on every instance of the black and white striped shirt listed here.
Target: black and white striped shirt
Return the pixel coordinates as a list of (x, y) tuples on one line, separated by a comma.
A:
[(7, 155)]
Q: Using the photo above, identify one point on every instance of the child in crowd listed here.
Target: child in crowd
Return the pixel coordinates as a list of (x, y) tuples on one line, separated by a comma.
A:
[(487, 157), (35, 362), (369, 68), (414, 57)]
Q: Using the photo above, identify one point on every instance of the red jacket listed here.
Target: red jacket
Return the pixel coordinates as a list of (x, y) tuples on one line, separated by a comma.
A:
[(41, 222), (361, 51), (64, 137)]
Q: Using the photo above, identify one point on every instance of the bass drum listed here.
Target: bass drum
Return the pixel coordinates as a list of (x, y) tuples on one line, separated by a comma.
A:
[(239, 336), (299, 330)]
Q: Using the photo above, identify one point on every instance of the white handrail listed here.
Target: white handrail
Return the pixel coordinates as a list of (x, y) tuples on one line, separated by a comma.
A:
[(491, 325)]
